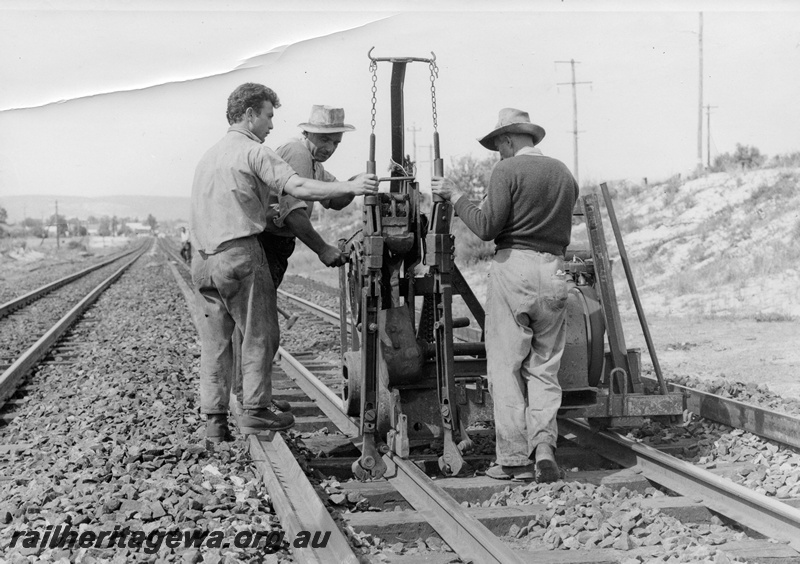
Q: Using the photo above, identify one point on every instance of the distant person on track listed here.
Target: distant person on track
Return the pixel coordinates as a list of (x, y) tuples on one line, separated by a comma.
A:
[(290, 217), (186, 246), (233, 286), (528, 214)]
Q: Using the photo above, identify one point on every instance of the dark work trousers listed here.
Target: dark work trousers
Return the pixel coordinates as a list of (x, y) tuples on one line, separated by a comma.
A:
[(278, 250)]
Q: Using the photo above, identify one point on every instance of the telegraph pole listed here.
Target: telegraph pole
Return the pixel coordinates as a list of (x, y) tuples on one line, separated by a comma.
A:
[(708, 134), (58, 236), (413, 129), (700, 104), (574, 112)]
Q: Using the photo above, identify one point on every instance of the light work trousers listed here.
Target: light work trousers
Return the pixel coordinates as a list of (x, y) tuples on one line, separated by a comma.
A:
[(234, 291), (525, 337)]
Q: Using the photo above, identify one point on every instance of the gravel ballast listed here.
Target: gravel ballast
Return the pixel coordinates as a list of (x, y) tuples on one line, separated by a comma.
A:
[(115, 443)]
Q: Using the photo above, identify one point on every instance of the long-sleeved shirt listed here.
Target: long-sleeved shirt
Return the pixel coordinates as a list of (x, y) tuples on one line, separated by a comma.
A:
[(231, 185), (528, 204)]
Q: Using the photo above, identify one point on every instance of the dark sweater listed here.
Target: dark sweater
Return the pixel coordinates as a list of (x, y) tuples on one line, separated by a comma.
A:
[(528, 205)]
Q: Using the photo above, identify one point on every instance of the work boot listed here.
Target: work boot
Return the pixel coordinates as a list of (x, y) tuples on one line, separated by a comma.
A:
[(516, 473), (546, 468), (281, 405), (255, 421), (217, 430)]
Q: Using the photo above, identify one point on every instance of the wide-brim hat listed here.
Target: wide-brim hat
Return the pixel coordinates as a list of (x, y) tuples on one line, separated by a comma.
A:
[(326, 119), (511, 120)]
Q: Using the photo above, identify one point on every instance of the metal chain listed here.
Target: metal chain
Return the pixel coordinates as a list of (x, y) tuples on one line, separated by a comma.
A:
[(373, 66), (434, 76)]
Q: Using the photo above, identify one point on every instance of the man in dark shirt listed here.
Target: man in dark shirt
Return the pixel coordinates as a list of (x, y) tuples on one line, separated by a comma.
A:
[(528, 214)]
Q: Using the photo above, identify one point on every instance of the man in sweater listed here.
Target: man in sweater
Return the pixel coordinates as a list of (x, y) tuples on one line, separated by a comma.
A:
[(233, 286), (528, 214), (290, 217)]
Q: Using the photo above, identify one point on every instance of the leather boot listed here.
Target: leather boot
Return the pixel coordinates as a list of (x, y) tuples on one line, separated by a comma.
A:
[(217, 430), (255, 421)]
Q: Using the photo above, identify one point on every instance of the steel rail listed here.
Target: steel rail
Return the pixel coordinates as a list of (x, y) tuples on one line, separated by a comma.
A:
[(319, 311), (330, 404), (780, 427), (10, 378), (760, 513), (297, 504), (467, 536), (15, 303)]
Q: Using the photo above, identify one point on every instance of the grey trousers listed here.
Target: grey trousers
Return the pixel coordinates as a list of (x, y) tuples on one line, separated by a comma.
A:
[(234, 290), (525, 337)]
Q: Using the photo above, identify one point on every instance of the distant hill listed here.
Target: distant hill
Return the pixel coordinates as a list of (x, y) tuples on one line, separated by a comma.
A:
[(162, 208)]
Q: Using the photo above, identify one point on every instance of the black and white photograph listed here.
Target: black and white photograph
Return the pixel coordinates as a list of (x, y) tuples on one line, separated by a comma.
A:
[(400, 281)]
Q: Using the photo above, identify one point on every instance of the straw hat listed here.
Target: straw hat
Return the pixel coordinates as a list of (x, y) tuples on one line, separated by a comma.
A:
[(513, 121), (326, 119)]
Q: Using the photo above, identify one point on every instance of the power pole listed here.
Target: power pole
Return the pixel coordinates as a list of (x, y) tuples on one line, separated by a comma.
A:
[(58, 236), (574, 112), (708, 134), (413, 129), (700, 104)]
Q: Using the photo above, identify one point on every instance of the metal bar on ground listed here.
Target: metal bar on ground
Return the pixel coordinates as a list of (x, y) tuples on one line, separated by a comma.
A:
[(760, 513), (322, 312)]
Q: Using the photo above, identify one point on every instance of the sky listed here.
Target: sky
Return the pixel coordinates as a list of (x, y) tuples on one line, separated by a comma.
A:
[(123, 97)]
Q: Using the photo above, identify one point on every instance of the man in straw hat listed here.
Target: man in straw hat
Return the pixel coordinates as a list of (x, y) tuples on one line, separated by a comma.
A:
[(290, 217), (528, 214), (233, 286)]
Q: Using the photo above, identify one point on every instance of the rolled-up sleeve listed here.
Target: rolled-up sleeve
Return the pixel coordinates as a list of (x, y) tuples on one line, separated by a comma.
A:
[(270, 168), (286, 205)]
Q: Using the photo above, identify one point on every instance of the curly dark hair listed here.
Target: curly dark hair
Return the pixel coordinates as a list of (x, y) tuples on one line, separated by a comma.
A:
[(249, 95)]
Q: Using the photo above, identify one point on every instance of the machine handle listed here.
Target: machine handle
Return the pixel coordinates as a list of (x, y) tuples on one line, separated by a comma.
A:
[(371, 168)]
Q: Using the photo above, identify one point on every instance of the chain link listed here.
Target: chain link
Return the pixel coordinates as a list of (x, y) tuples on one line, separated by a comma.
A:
[(373, 66), (434, 76)]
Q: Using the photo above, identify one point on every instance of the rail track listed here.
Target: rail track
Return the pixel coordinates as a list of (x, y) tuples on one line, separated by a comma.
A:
[(480, 519), (32, 324)]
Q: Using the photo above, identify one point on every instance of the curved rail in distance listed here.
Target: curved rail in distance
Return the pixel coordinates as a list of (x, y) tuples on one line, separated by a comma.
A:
[(11, 377), (16, 303)]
